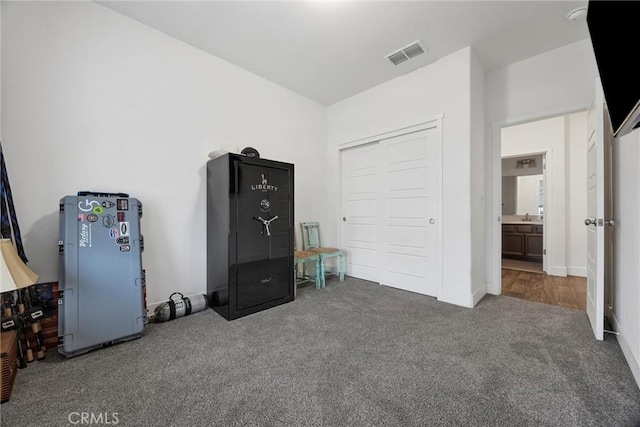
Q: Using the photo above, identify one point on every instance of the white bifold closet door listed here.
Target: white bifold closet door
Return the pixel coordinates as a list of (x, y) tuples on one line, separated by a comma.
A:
[(391, 204)]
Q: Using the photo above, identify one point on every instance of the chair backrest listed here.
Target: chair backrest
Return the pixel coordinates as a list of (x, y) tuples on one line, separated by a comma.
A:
[(310, 235)]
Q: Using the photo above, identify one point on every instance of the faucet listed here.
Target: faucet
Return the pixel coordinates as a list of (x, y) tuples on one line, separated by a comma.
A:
[(526, 217)]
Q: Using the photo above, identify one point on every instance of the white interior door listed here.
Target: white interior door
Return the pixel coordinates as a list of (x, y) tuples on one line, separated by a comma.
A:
[(360, 206), (410, 220), (595, 220), (391, 204)]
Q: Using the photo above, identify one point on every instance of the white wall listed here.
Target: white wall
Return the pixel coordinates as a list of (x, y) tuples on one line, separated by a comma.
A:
[(557, 81), (477, 174), (92, 100), (547, 85), (440, 88), (626, 251), (576, 173)]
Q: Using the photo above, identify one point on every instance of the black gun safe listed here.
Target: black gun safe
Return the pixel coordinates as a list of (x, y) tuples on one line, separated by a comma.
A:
[(250, 234)]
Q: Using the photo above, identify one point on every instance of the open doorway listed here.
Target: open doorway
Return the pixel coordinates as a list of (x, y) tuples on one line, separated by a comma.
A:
[(523, 212), (547, 235)]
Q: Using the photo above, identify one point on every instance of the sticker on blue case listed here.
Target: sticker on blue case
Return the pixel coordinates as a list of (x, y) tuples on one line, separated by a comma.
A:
[(122, 204), (124, 228)]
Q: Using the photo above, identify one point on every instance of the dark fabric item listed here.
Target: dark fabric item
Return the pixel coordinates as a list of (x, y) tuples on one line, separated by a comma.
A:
[(8, 216)]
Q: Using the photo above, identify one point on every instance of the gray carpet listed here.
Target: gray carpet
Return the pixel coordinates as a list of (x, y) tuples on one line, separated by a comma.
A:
[(352, 354)]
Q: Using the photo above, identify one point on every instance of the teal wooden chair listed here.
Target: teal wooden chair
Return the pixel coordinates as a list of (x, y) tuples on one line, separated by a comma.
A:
[(300, 259), (311, 242)]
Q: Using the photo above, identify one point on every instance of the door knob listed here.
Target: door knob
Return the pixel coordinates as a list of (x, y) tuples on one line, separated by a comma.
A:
[(344, 219), (590, 221), (432, 220)]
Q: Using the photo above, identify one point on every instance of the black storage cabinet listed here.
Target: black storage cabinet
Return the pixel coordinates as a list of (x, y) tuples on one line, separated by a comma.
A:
[(249, 250)]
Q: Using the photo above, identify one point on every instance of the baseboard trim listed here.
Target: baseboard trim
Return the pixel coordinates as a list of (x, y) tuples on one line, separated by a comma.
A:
[(491, 289), (577, 271), (456, 298), (627, 351), (557, 271), (477, 296)]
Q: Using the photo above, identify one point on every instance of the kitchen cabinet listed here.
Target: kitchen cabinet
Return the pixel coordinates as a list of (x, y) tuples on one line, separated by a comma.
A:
[(522, 241)]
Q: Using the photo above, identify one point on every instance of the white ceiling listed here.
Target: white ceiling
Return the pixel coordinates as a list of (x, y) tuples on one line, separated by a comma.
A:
[(331, 50)]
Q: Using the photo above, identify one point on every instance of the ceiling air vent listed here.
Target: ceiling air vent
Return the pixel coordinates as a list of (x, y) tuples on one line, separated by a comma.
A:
[(410, 51)]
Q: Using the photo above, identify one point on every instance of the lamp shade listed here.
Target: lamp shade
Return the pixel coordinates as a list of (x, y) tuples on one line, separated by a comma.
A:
[(14, 274)]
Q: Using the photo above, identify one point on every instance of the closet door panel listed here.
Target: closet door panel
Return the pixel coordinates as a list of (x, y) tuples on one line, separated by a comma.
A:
[(391, 201)]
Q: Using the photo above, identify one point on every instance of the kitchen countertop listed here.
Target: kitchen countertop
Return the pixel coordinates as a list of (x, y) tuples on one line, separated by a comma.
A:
[(524, 223)]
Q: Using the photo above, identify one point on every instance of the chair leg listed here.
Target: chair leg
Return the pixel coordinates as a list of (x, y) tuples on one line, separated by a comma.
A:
[(319, 283), (341, 268), (322, 278)]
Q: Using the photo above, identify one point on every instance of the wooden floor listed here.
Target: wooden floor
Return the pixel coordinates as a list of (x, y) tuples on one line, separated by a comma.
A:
[(568, 292), (514, 264)]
